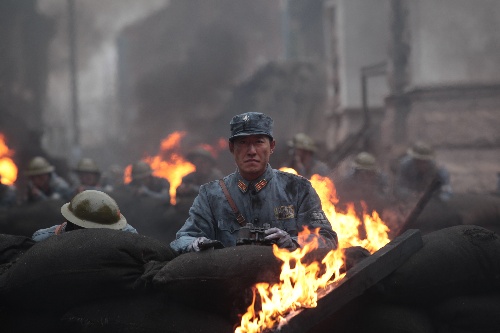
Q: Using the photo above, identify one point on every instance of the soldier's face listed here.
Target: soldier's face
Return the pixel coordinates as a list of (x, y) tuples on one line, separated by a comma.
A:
[(251, 154)]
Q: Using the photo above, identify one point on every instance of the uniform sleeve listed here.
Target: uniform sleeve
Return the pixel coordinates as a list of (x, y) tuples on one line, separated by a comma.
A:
[(310, 214), (200, 223), (43, 234)]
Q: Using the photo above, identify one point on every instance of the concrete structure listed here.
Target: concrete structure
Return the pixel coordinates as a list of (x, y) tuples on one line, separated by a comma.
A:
[(442, 83), (446, 86)]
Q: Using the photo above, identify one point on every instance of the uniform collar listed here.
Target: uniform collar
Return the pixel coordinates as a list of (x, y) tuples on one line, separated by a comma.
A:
[(257, 184)]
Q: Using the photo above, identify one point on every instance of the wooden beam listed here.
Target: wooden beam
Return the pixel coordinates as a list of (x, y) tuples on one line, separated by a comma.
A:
[(358, 279)]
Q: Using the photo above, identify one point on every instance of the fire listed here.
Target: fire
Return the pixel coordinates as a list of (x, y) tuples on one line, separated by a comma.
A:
[(168, 163), (8, 169), (300, 281)]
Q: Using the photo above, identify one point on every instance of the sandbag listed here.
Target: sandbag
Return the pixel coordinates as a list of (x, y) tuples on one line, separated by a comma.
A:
[(27, 218), (218, 280), (145, 313), (150, 216), (469, 314), (13, 246), (221, 280), (478, 209), (81, 265), (384, 317), (455, 261)]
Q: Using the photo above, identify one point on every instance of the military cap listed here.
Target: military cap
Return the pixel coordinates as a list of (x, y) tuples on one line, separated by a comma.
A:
[(251, 123)]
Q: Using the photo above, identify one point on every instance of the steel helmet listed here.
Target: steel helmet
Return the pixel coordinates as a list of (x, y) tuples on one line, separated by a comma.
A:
[(141, 170), (94, 209), (39, 166), (87, 165), (200, 151), (365, 161), (422, 151), (303, 141)]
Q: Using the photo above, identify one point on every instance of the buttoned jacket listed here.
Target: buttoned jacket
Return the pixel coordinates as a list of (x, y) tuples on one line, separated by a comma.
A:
[(277, 198)]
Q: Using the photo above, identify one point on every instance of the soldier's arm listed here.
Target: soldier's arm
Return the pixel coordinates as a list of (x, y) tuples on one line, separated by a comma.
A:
[(200, 223), (310, 214)]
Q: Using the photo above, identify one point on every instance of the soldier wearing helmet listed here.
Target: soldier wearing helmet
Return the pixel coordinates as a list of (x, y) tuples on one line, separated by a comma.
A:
[(364, 182), (145, 184), (416, 170), (44, 183), (88, 209), (206, 171), (302, 159), (89, 176)]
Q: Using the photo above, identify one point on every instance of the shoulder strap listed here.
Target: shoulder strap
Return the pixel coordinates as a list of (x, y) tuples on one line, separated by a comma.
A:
[(240, 218)]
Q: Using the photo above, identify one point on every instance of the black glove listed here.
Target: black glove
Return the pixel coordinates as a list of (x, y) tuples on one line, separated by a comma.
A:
[(282, 238)]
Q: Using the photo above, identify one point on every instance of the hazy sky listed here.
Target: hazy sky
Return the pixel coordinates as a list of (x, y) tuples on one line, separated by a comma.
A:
[(97, 24)]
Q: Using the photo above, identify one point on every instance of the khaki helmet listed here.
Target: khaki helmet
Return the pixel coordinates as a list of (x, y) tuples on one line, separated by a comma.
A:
[(302, 141), (94, 209), (39, 166), (87, 165), (421, 151), (365, 161), (141, 169)]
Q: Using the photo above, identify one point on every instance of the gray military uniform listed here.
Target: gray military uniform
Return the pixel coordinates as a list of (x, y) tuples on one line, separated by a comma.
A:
[(281, 199)]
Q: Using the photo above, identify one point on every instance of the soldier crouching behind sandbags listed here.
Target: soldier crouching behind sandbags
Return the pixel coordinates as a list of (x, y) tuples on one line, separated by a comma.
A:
[(88, 209)]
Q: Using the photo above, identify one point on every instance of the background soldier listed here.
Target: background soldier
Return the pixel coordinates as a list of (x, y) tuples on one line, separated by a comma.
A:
[(205, 172), (302, 159), (44, 183), (416, 170), (8, 195), (89, 176), (254, 193), (364, 182), (145, 184)]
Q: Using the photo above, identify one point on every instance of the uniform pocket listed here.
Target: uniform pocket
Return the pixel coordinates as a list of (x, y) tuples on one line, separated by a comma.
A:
[(289, 225), (228, 226)]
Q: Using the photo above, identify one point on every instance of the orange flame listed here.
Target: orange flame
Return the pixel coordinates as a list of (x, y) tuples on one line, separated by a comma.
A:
[(8, 169), (168, 164), (299, 286)]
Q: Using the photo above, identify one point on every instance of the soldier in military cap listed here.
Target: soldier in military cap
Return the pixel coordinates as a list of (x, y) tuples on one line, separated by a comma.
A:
[(255, 193), (87, 209), (44, 183), (303, 159)]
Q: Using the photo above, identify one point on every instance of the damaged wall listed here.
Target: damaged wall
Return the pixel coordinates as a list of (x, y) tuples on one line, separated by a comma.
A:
[(448, 87)]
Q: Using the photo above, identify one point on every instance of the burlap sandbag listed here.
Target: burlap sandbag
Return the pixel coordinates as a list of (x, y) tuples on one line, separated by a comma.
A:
[(220, 280), (473, 313), (27, 218), (454, 261), (13, 246), (146, 313), (81, 265), (384, 317), (478, 209)]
